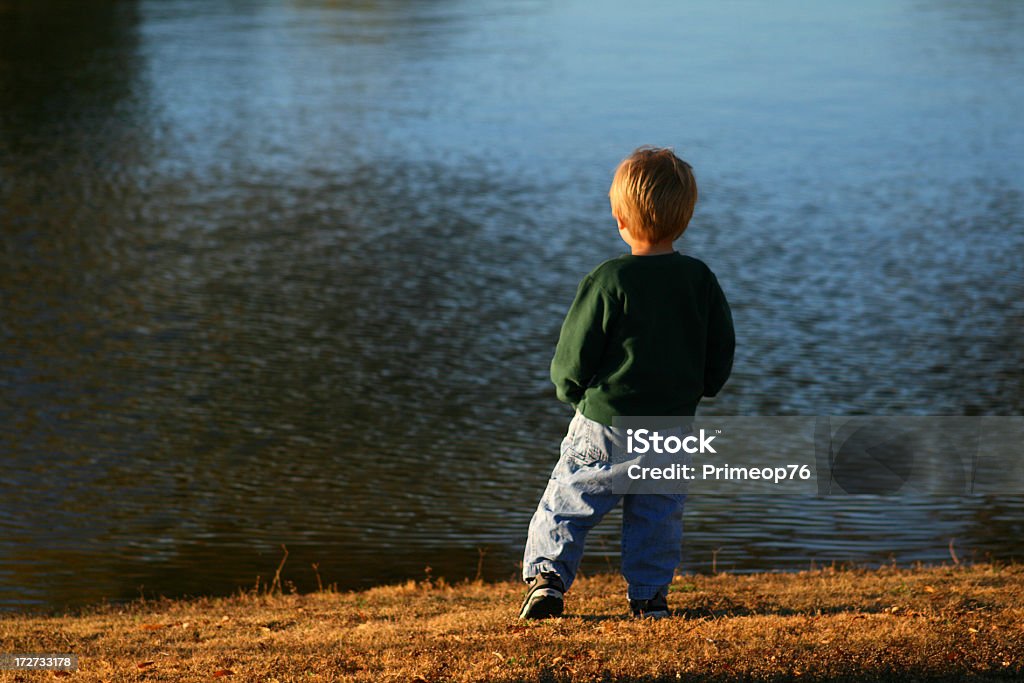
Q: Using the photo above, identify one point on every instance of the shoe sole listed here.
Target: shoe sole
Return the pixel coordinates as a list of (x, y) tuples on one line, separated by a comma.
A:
[(543, 603), (660, 614)]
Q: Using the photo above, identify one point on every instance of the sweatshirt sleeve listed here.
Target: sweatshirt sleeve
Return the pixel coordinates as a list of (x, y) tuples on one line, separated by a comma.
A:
[(721, 341), (582, 341)]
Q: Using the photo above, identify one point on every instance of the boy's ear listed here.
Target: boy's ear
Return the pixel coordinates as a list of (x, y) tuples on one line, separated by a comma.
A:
[(622, 226)]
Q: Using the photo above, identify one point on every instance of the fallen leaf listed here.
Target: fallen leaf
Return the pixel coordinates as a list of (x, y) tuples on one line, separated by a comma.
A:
[(143, 665), (929, 589), (223, 672), (151, 627)]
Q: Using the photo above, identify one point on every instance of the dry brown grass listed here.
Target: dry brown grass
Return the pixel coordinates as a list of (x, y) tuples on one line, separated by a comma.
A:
[(948, 623)]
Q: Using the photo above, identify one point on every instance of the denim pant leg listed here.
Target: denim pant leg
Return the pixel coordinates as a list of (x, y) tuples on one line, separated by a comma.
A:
[(652, 536), (577, 496)]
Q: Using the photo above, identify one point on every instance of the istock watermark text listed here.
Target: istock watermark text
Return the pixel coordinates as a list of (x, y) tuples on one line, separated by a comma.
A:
[(640, 441)]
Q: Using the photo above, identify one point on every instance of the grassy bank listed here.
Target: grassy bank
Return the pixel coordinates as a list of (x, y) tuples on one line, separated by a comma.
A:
[(955, 623)]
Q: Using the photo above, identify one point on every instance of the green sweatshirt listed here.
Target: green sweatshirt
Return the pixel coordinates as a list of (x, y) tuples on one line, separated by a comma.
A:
[(646, 335)]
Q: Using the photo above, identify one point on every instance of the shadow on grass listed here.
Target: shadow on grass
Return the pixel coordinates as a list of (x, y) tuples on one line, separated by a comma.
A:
[(736, 610)]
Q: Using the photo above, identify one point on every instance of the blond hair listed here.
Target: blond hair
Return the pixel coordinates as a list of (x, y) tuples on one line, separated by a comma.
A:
[(654, 193)]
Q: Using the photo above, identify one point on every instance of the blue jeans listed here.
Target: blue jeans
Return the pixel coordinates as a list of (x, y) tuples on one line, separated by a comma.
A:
[(579, 494)]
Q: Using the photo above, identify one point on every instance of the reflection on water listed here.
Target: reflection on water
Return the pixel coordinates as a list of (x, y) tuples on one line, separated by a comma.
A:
[(293, 273)]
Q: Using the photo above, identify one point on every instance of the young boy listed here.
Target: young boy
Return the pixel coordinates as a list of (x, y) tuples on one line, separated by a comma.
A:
[(648, 334)]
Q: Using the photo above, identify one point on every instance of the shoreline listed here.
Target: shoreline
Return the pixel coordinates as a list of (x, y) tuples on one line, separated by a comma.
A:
[(927, 623)]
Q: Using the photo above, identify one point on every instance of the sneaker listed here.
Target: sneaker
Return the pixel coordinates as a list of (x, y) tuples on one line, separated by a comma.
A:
[(655, 608), (544, 598)]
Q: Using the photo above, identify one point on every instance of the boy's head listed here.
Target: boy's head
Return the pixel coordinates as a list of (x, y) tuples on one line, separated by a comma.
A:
[(653, 195)]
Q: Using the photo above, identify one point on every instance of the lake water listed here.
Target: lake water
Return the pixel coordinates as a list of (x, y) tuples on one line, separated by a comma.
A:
[(292, 272)]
